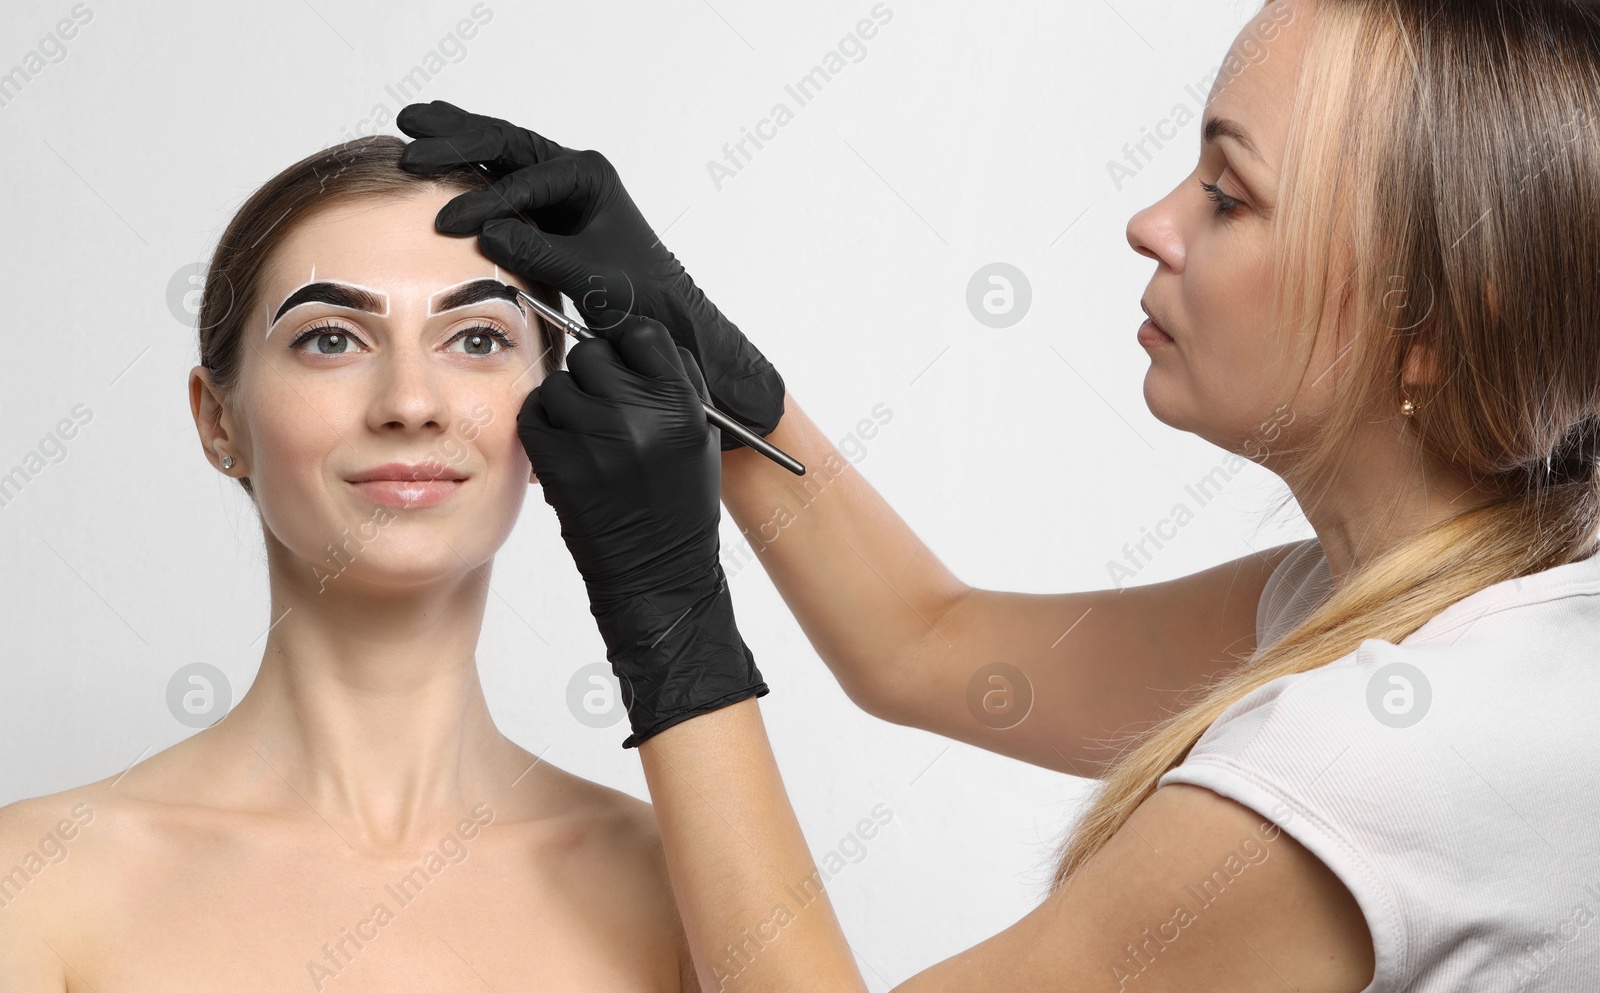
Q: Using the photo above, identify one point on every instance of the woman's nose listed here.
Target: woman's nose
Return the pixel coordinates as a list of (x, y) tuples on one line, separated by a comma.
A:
[(408, 392), (1153, 232)]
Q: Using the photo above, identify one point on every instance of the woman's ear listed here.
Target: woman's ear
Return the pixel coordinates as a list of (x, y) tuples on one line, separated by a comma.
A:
[(1421, 366), (214, 422)]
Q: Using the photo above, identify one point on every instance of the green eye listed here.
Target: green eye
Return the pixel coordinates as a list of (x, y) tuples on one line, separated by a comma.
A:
[(481, 340), (331, 339), (334, 340)]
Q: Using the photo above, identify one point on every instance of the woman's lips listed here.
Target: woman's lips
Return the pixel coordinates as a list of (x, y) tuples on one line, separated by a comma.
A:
[(408, 484), (406, 493), (1151, 335)]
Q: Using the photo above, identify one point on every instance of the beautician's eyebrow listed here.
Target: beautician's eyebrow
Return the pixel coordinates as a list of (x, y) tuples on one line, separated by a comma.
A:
[(337, 294), (1222, 127), (477, 291)]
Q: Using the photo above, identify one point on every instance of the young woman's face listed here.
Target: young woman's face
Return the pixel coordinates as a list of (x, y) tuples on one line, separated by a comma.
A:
[(328, 392), (1222, 371)]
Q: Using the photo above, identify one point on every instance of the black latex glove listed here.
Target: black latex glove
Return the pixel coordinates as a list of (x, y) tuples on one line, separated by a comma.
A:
[(591, 243), (631, 466)]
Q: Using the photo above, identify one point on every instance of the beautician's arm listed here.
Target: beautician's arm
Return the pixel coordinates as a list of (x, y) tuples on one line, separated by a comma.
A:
[(737, 860), (627, 462), (905, 637)]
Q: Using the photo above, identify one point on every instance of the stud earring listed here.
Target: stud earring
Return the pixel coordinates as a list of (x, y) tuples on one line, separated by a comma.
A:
[(227, 462), (1407, 408)]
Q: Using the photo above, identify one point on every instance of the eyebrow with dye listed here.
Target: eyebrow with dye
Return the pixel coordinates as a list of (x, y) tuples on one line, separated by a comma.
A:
[(334, 293), (353, 297), (473, 291)]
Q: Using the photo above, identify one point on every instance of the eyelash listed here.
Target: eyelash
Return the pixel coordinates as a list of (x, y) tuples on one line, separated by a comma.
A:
[(309, 333), (1226, 205)]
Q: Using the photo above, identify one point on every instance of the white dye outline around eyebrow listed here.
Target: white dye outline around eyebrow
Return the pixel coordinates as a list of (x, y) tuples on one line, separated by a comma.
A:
[(379, 294)]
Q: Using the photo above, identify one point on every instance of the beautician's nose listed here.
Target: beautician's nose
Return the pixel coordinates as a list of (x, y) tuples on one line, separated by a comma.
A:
[(1153, 232), (409, 390)]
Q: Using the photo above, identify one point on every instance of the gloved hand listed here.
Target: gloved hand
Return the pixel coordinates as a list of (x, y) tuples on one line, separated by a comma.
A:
[(591, 243), (631, 466)]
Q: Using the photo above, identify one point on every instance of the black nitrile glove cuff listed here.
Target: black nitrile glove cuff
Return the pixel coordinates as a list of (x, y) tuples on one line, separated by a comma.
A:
[(677, 654)]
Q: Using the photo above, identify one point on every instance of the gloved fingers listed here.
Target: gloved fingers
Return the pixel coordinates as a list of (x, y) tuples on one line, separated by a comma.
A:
[(502, 150), (598, 369), (534, 427), (448, 137), (692, 369), (564, 182), (441, 119), (648, 349), (546, 454), (566, 406), (606, 297), (435, 118), (530, 253), (610, 322)]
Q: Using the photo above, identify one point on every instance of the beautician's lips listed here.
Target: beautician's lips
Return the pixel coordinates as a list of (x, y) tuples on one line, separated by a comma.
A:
[(408, 484), (1159, 328)]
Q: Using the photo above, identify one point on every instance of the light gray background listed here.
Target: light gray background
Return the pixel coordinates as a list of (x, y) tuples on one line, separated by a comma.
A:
[(966, 134)]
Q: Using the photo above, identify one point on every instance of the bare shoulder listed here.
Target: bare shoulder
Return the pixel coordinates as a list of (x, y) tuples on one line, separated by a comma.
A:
[(612, 857), (607, 833), (611, 819), (70, 860), (44, 843)]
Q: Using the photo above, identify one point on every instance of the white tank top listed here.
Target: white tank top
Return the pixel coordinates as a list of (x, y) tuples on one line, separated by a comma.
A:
[(1451, 781)]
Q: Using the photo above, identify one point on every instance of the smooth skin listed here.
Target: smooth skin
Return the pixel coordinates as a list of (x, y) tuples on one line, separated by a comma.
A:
[(904, 637), (230, 860)]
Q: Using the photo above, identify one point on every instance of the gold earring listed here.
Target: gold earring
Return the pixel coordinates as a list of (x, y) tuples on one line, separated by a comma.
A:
[(1407, 407)]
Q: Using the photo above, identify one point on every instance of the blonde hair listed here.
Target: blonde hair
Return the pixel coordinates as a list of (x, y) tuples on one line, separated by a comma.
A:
[(1442, 174)]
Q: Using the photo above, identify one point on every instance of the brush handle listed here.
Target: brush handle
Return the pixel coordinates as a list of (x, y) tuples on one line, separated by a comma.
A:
[(753, 440)]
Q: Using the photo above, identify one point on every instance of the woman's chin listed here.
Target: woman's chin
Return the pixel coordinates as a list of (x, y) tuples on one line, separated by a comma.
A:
[(1162, 405), (395, 563)]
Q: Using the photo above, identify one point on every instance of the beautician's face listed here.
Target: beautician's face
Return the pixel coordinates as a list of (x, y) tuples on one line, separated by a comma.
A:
[(328, 391), (1224, 372)]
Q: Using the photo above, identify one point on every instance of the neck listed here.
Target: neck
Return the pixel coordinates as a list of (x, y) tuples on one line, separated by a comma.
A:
[(1385, 491), (368, 704)]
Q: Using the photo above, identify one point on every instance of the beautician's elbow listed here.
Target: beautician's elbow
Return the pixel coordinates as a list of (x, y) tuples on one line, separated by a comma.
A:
[(890, 682)]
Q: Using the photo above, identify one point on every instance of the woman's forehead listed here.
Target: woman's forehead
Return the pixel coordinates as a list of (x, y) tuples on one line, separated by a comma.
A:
[(387, 249)]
